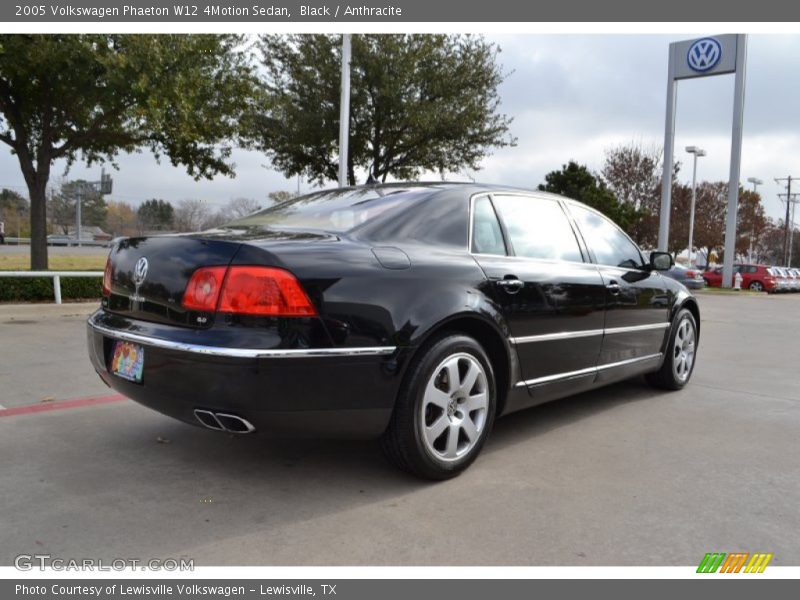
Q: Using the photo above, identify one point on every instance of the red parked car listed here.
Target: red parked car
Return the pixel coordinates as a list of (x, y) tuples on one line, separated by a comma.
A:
[(754, 277)]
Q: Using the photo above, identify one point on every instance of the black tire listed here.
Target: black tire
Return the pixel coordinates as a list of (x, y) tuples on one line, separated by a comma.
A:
[(666, 377), (403, 441), (757, 286)]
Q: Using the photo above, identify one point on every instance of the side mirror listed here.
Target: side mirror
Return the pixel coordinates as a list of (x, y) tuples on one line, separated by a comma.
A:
[(661, 261)]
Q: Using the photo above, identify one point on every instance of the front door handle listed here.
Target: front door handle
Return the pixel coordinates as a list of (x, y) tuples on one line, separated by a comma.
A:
[(511, 285), (613, 288)]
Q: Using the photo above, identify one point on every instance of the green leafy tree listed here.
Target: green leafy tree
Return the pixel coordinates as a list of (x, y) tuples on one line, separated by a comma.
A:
[(709, 218), (769, 247), (87, 97), (64, 210), (11, 200), (751, 222), (418, 102), (121, 219), (155, 215), (281, 196), (14, 209), (577, 182)]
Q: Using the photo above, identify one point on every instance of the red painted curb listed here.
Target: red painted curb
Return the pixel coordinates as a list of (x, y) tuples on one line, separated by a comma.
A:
[(59, 405)]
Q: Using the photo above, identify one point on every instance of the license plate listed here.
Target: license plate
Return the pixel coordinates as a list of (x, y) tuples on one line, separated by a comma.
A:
[(128, 361)]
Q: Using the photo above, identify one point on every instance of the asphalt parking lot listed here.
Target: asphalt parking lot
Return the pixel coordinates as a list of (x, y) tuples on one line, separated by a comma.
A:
[(620, 476)]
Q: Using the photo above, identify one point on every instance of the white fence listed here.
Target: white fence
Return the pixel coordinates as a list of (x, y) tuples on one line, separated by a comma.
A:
[(55, 275)]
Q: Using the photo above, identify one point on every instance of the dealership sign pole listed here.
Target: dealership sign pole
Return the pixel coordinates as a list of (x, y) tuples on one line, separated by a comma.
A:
[(344, 112), (704, 57)]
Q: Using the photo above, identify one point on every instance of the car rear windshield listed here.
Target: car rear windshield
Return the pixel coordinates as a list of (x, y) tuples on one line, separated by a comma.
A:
[(333, 210)]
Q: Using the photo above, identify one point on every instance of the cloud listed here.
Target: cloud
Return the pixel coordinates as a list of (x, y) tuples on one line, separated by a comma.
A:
[(571, 97)]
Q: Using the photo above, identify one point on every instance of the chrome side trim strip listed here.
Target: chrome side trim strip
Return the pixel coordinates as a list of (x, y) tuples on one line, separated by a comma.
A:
[(549, 337), (569, 335), (239, 352), (588, 371), (647, 327), (630, 361), (557, 377)]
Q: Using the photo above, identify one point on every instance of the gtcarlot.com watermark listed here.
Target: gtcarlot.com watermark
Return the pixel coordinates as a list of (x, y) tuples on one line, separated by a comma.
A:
[(30, 562)]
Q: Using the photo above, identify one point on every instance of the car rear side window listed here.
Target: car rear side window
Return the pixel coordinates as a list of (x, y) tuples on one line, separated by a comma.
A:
[(334, 210), (487, 236), (608, 242), (538, 228)]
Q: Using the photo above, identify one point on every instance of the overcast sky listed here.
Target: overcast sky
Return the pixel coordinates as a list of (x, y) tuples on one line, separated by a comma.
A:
[(571, 97)]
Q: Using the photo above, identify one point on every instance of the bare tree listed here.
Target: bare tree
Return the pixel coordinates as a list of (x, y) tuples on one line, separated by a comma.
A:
[(191, 214), (241, 207), (632, 172)]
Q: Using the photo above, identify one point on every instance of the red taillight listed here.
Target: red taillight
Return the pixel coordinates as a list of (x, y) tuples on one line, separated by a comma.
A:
[(263, 291), (107, 278), (691, 274), (203, 290)]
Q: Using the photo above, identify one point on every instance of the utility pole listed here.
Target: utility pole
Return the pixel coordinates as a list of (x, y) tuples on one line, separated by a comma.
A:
[(793, 199), (787, 233)]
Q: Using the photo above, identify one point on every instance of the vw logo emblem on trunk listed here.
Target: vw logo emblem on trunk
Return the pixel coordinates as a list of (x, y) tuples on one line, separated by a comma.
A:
[(704, 55), (140, 271)]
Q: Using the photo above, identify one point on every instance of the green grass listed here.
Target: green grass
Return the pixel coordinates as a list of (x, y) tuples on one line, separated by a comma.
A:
[(22, 262), (40, 289)]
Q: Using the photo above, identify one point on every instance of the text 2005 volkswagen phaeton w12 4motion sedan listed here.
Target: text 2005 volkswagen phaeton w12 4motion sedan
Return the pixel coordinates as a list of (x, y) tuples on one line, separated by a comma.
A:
[(417, 313)]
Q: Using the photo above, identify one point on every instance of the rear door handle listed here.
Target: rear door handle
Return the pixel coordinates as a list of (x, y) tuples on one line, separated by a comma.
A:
[(511, 285), (613, 288)]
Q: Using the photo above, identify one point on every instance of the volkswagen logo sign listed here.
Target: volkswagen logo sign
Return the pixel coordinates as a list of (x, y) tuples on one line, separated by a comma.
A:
[(704, 55), (140, 271)]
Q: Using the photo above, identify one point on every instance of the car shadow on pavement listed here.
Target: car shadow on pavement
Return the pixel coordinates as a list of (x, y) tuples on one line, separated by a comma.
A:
[(121, 480), (350, 462), (524, 424)]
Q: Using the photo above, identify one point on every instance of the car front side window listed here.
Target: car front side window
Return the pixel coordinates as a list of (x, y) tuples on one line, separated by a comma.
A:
[(608, 242)]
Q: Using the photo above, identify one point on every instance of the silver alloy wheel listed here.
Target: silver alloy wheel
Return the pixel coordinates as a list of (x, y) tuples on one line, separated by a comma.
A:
[(756, 286), (454, 408), (683, 350)]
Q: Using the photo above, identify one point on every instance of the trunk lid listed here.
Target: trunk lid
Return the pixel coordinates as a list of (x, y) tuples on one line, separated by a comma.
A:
[(149, 275), (155, 292)]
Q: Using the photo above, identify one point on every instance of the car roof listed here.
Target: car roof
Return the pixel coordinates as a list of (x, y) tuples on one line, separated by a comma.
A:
[(469, 187)]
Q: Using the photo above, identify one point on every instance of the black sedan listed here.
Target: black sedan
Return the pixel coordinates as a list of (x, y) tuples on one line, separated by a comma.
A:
[(417, 313)]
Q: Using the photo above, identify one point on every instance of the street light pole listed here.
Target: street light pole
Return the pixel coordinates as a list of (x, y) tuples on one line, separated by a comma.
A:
[(697, 152), (78, 212), (756, 182)]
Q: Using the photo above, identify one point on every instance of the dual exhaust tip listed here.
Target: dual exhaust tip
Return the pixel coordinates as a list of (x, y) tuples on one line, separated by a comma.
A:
[(223, 421)]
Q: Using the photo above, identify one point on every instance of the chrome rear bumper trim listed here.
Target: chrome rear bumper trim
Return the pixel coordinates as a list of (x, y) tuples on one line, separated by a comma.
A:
[(238, 352)]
